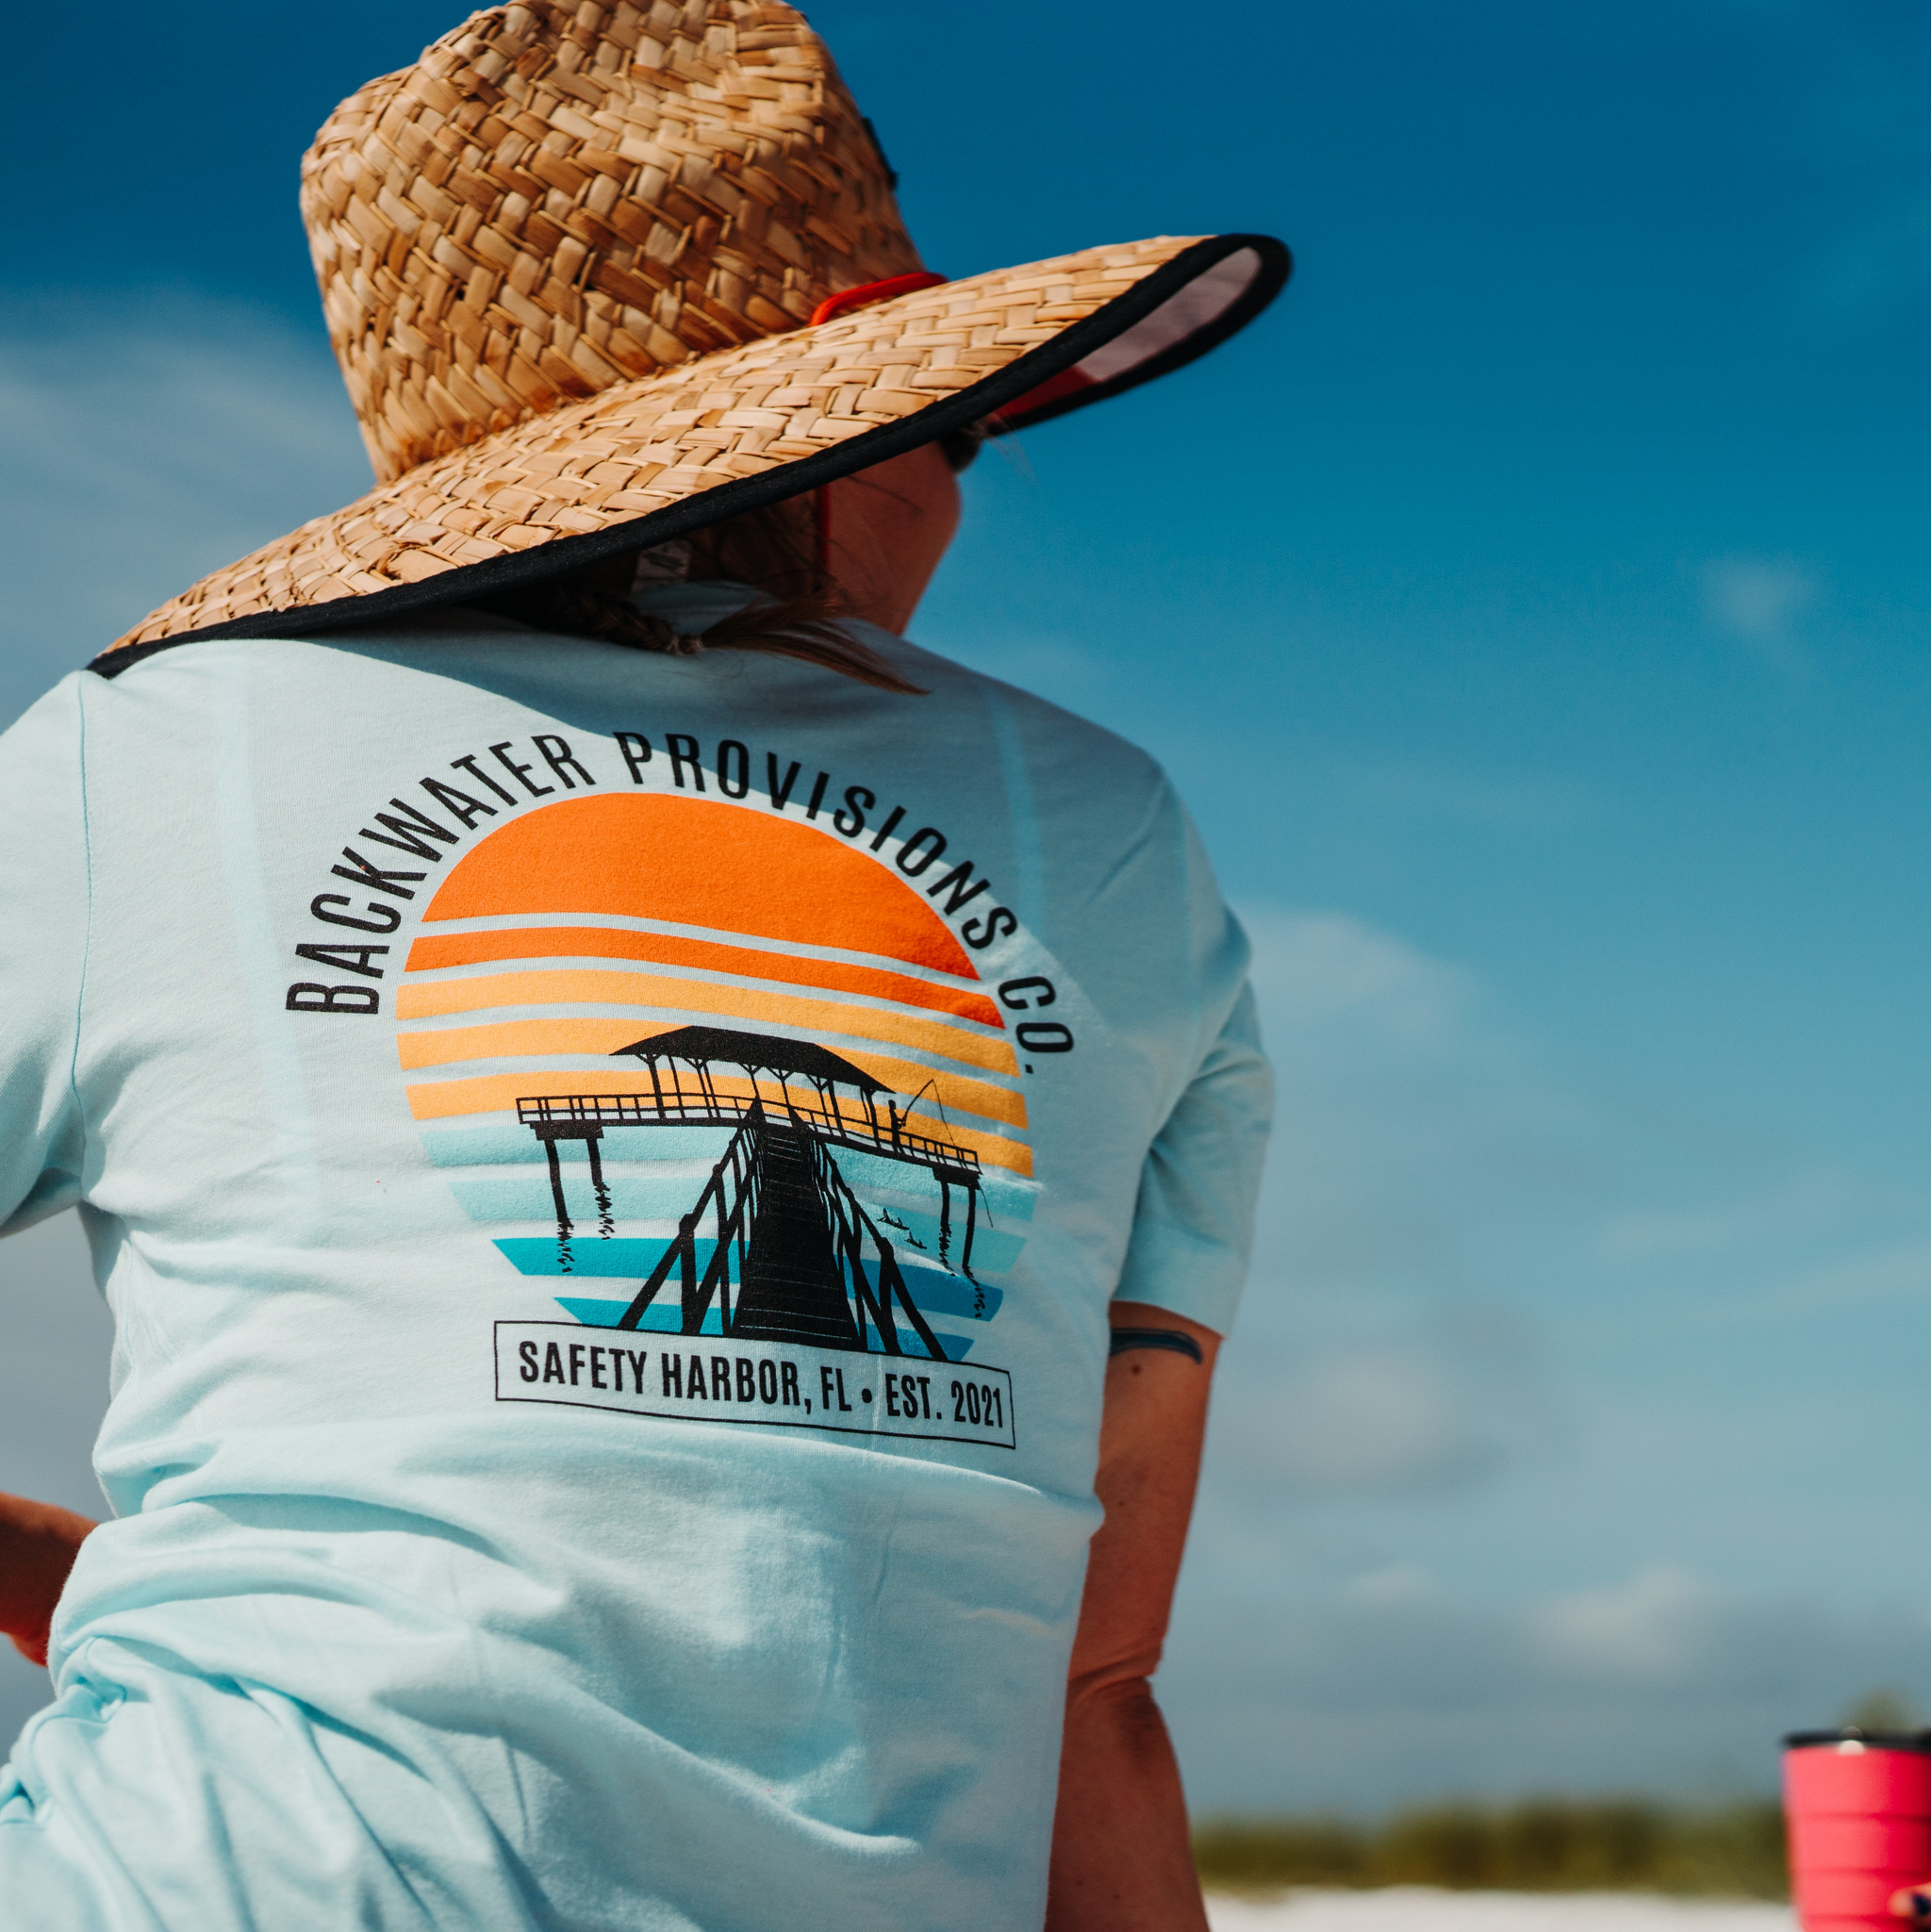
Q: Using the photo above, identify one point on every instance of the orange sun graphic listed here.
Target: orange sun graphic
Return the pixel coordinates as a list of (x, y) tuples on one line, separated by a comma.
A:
[(587, 926)]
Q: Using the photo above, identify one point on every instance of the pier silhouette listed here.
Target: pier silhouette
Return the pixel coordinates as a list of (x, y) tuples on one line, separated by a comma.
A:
[(808, 1262)]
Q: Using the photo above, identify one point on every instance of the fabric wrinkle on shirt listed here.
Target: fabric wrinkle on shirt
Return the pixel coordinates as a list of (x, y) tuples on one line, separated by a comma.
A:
[(609, 1170)]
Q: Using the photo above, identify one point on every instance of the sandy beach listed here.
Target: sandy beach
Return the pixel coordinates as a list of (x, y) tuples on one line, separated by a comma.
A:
[(1421, 1908)]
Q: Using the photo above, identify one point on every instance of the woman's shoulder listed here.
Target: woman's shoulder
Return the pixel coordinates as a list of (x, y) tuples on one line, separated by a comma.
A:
[(1037, 724)]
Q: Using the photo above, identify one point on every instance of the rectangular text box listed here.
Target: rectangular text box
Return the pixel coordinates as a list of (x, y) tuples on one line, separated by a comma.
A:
[(722, 1378)]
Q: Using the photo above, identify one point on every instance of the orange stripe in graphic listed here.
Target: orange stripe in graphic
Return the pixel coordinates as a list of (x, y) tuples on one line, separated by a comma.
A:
[(528, 1039), (661, 990), (498, 1093), (696, 862), (429, 954)]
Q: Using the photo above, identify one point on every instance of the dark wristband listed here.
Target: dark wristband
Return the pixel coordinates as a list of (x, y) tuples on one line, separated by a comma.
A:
[(1124, 1339)]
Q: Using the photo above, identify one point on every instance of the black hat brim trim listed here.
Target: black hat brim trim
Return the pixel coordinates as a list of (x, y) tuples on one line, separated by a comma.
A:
[(1009, 386)]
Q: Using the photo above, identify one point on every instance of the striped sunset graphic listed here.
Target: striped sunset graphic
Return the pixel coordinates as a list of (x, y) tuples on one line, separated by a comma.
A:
[(569, 940)]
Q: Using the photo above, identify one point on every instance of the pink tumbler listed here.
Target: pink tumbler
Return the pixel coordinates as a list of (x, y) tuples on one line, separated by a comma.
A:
[(1858, 1806)]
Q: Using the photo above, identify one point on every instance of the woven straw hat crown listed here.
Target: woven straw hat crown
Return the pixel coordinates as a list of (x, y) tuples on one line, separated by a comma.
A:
[(558, 199), (603, 275)]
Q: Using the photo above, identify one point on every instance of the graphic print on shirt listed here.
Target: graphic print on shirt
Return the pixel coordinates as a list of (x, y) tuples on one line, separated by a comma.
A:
[(707, 1073)]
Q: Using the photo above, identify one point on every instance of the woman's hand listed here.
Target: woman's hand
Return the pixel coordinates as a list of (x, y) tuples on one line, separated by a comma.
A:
[(37, 1545)]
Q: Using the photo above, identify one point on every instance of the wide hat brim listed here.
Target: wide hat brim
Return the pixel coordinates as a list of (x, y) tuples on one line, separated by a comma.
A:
[(648, 461)]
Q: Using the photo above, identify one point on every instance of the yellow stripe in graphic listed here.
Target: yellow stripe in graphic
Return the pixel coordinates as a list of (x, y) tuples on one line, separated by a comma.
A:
[(528, 1039), (578, 987)]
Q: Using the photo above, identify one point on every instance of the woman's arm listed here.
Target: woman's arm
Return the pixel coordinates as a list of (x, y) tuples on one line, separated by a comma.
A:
[(37, 1545), (1121, 1861)]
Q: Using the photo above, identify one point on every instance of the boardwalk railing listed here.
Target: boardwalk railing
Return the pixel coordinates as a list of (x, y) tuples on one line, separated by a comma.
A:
[(851, 1227), (583, 1115), (868, 1266), (732, 1195)]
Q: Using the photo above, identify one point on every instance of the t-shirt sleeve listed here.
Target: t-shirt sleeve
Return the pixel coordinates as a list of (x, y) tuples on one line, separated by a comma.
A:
[(44, 932), (1194, 1222)]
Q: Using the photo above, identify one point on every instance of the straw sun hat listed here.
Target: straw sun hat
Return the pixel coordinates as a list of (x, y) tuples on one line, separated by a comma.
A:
[(599, 275)]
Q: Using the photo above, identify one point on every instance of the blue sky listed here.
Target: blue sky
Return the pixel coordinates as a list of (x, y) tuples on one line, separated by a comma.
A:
[(1532, 607)]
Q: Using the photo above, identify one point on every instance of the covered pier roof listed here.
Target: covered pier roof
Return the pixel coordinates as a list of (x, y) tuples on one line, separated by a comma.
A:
[(755, 1053)]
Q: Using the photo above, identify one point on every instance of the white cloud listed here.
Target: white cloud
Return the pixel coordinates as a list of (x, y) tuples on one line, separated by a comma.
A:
[(1379, 1419), (1313, 970), (1390, 1688), (1799, 1203), (1425, 1406), (1759, 601), (1410, 1120), (1755, 598), (1428, 1161), (1393, 1583), (1376, 1356), (145, 447), (1652, 1628), (1406, 1417), (1887, 1274)]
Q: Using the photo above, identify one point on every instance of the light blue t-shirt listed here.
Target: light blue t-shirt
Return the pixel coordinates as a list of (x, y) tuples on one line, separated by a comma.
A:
[(608, 1169)]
